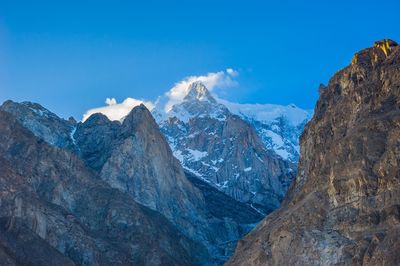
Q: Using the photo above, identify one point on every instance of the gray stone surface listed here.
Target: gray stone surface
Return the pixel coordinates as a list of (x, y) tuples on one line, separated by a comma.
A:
[(53, 194), (141, 164), (112, 172), (344, 205), (226, 151)]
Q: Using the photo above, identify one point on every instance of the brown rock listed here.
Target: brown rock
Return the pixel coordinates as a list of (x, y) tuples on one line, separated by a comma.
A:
[(344, 205)]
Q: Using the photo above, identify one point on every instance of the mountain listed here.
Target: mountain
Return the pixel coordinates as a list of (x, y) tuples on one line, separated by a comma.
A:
[(56, 210), (344, 205), (278, 126), (137, 160), (226, 151), (102, 172), (43, 123)]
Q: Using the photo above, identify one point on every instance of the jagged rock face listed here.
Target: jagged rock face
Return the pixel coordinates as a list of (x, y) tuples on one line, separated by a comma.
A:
[(48, 195), (43, 123), (95, 139), (138, 161), (198, 103), (278, 126), (142, 165), (21, 246), (134, 158), (225, 151), (344, 206), (237, 211), (281, 136)]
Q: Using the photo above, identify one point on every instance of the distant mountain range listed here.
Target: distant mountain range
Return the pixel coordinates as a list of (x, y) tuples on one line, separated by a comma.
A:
[(232, 176), (247, 151), (183, 183)]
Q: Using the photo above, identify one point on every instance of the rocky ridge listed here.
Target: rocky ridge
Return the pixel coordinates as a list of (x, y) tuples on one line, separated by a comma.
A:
[(131, 158), (343, 207), (55, 207), (225, 151)]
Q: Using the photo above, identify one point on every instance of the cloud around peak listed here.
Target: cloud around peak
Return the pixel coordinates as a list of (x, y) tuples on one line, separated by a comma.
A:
[(213, 81)]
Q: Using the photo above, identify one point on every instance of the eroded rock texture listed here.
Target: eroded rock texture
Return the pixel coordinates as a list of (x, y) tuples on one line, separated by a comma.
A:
[(344, 205), (135, 158), (225, 150), (104, 192), (57, 209)]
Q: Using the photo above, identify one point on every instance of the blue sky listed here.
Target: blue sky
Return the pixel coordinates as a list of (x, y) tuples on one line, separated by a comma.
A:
[(69, 55)]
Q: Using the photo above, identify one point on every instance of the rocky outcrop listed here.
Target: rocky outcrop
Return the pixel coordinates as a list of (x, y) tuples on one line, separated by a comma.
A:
[(142, 164), (95, 140), (225, 151), (134, 157), (51, 199), (21, 246), (106, 185), (239, 212), (43, 123), (344, 205), (386, 46), (96, 173)]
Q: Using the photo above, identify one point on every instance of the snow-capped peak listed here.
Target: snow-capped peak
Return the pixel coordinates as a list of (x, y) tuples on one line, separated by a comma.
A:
[(198, 102), (198, 91)]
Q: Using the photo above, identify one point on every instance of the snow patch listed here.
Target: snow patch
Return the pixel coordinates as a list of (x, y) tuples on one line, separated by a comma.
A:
[(223, 185), (39, 112), (267, 113), (257, 210), (258, 157), (197, 155), (178, 155), (283, 153), (196, 174), (276, 139), (71, 135)]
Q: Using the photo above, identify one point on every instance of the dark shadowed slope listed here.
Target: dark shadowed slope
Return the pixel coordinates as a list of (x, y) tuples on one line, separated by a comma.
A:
[(48, 193)]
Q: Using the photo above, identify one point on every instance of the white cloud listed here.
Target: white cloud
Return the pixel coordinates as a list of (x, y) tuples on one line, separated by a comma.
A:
[(213, 80), (111, 101), (116, 111), (232, 72)]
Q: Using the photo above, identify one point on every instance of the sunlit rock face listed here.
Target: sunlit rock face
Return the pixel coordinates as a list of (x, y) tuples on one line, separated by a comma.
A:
[(386, 45), (343, 207)]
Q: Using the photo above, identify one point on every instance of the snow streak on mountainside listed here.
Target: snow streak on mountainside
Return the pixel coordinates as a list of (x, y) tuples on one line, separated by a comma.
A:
[(133, 158), (278, 126), (225, 150), (247, 151)]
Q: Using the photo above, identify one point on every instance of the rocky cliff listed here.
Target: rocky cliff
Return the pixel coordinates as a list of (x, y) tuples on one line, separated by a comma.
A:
[(344, 205), (85, 170), (134, 157), (56, 210), (43, 123), (225, 151)]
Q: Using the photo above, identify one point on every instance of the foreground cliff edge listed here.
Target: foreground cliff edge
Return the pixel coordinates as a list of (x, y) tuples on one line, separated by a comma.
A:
[(344, 205)]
